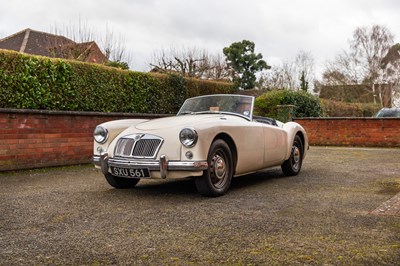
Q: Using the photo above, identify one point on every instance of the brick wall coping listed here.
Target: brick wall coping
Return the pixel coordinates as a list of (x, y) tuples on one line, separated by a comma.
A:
[(111, 114), (80, 113), (344, 118)]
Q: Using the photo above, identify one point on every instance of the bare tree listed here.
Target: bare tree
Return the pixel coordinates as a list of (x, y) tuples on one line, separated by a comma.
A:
[(305, 68), (362, 63), (390, 72), (112, 45), (370, 46), (343, 70), (281, 76), (190, 62), (217, 68), (287, 75)]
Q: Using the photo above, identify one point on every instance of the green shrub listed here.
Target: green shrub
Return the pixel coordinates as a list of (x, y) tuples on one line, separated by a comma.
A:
[(36, 83), (208, 87), (33, 82), (117, 64), (305, 104), (342, 109)]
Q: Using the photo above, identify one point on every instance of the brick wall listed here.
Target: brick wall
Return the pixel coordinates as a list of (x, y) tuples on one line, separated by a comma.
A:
[(33, 138), (366, 132)]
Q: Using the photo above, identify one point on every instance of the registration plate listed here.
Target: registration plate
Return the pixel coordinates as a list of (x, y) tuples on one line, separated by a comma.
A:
[(130, 172)]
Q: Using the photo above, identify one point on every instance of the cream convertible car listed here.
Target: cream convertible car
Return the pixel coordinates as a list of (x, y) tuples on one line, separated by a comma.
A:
[(212, 138)]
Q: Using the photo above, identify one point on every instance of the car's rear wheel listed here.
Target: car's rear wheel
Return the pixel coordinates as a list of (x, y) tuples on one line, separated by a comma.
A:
[(292, 166), (121, 182), (216, 180)]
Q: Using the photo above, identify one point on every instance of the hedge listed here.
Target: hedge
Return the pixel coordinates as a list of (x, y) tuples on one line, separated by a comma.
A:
[(34, 82), (305, 104), (341, 109)]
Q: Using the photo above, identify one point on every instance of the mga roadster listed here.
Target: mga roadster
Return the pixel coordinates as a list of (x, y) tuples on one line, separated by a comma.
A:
[(212, 139)]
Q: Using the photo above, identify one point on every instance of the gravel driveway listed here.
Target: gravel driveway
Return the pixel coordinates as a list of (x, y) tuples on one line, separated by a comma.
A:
[(324, 216)]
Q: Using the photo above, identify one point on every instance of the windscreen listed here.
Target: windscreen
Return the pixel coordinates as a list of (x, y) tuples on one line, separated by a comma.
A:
[(225, 103)]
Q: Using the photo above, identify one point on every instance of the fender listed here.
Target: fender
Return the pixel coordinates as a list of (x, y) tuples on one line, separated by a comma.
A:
[(114, 128), (293, 129)]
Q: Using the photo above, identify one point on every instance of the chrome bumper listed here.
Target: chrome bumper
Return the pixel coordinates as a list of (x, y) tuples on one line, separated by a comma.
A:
[(162, 165)]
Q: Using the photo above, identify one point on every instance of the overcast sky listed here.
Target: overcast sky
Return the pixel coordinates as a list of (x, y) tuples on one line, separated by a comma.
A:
[(279, 28)]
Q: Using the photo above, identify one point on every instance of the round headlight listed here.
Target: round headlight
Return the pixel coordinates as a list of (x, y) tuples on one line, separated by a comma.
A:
[(100, 134), (188, 137)]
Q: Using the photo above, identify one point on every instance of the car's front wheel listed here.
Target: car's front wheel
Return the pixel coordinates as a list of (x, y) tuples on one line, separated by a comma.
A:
[(292, 165), (121, 182), (217, 178)]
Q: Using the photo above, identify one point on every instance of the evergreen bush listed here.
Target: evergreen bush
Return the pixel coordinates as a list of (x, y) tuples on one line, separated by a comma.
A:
[(305, 104), (342, 109), (34, 82)]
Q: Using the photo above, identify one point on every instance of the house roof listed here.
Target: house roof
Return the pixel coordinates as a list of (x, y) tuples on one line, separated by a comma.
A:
[(45, 44), (33, 42)]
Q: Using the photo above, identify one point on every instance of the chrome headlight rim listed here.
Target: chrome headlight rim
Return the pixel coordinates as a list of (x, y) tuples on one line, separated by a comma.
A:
[(100, 134), (188, 137)]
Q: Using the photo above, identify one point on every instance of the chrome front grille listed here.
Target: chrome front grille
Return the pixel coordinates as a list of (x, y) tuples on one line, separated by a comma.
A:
[(146, 147), (124, 147), (139, 146)]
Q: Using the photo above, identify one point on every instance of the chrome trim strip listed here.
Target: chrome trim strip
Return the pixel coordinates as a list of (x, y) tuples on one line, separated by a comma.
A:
[(187, 166), (151, 165), (163, 165)]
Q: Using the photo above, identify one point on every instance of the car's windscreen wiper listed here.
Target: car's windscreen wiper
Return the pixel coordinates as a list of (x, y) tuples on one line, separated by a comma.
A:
[(207, 112), (198, 113), (187, 113)]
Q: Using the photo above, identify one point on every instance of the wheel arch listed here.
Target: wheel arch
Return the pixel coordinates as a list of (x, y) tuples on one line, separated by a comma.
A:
[(231, 143), (301, 135)]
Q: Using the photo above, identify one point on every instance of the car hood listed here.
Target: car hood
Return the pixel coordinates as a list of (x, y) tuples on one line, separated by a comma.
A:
[(176, 121)]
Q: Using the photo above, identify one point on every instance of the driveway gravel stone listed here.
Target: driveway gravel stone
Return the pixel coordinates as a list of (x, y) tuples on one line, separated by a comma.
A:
[(327, 215)]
